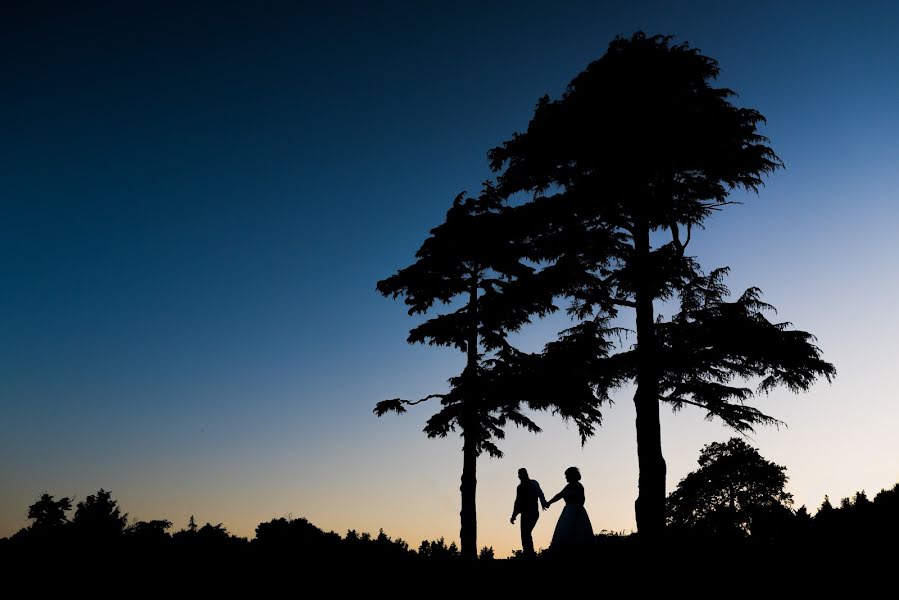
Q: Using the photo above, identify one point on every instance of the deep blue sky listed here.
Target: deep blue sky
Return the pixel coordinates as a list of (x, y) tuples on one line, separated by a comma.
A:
[(197, 202)]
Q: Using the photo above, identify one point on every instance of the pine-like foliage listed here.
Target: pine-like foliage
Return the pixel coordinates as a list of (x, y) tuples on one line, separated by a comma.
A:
[(637, 153), (473, 265), (713, 347)]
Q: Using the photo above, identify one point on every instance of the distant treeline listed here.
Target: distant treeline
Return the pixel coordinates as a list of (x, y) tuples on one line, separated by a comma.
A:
[(98, 525)]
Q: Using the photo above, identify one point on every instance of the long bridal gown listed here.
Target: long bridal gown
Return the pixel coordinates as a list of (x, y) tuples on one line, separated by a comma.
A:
[(573, 528)]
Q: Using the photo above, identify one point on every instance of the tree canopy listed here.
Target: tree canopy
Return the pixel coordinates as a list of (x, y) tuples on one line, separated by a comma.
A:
[(734, 490), (99, 516), (49, 513), (472, 264), (638, 152)]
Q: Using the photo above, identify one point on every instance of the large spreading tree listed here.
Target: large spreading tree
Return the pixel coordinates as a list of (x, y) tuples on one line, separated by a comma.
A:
[(638, 153), (471, 266)]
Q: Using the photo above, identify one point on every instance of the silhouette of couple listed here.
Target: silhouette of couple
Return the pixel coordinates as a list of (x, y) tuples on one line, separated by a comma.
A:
[(573, 529)]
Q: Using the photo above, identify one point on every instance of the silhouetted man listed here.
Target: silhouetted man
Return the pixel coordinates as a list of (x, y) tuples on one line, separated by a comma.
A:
[(529, 493)]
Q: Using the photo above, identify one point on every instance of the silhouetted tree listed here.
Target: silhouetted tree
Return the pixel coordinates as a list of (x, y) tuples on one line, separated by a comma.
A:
[(99, 517), (801, 526), (292, 536), (386, 548), (213, 540), (213, 533), (471, 262), (886, 513), (639, 151), (298, 539), (48, 513), (858, 522), (860, 501), (888, 500), (362, 547), (146, 535), (733, 490), (438, 550), (150, 529)]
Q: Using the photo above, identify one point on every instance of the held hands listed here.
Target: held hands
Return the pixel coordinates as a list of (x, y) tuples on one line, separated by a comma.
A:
[(545, 504)]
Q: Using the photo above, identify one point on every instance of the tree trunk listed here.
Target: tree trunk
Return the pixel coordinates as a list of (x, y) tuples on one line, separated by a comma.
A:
[(468, 535), (650, 504)]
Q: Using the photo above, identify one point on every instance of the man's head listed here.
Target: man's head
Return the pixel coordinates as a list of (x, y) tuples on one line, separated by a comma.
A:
[(523, 474)]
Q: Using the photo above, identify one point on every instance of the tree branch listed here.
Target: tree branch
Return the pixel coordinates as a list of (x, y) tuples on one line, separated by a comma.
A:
[(739, 422), (623, 302), (396, 404), (718, 205), (675, 236)]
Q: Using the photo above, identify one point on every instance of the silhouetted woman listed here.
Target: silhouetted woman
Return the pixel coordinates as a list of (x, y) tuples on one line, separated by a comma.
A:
[(574, 528)]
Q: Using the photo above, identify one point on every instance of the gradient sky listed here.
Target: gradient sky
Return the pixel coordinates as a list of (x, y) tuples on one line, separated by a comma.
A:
[(197, 203)]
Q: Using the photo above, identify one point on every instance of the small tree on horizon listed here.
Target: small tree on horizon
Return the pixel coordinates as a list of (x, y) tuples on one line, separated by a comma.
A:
[(734, 489), (99, 516), (152, 532), (48, 513)]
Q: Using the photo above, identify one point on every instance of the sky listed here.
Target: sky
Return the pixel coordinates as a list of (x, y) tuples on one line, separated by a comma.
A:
[(198, 199)]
